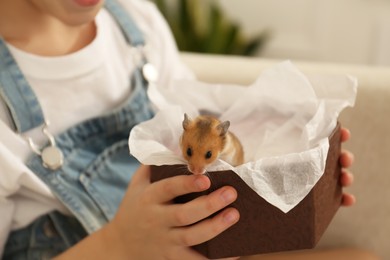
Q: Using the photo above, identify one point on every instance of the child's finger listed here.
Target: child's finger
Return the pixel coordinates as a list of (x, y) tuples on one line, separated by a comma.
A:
[(167, 189), (141, 176), (206, 229), (186, 253), (346, 159), (346, 178), (201, 207), (348, 200), (345, 134)]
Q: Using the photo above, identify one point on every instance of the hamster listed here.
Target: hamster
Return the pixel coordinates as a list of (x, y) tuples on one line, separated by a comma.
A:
[(205, 139)]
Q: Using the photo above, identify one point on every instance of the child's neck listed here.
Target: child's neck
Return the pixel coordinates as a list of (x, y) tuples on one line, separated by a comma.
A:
[(40, 34)]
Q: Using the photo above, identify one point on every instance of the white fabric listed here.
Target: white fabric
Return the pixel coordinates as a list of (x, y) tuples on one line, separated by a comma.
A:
[(71, 89)]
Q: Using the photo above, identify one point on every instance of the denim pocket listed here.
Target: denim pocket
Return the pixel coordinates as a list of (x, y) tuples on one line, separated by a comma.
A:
[(42, 239), (107, 178)]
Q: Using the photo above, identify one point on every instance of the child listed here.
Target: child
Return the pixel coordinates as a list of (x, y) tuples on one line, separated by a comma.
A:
[(64, 185)]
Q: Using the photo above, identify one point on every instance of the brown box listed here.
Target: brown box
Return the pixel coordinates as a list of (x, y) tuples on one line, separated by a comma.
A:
[(262, 227)]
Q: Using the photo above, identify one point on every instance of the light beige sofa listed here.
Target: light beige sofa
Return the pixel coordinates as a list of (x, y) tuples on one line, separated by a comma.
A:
[(365, 227)]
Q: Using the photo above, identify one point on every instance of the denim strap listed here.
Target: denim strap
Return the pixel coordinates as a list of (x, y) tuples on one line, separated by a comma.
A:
[(16, 92), (129, 28)]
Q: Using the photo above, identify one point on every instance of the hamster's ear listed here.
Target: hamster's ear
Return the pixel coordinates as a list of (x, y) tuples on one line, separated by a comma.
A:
[(223, 127), (186, 122)]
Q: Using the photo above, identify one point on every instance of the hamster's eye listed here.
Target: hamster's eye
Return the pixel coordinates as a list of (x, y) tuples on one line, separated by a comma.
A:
[(189, 152), (208, 155)]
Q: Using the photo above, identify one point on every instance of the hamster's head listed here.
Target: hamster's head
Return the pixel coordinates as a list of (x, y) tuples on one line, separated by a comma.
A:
[(202, 141)]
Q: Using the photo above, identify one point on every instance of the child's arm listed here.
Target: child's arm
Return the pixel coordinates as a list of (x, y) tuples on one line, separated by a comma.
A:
[(149, 226)]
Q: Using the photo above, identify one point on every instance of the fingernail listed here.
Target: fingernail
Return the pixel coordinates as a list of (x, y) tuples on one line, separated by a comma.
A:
[(230, 217), (228, 196), (201, 183)]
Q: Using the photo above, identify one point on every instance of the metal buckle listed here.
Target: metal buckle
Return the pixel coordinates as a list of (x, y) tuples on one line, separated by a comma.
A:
[(52, 156)]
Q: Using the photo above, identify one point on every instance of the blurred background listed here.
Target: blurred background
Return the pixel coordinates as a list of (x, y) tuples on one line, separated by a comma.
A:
[(348, 31)]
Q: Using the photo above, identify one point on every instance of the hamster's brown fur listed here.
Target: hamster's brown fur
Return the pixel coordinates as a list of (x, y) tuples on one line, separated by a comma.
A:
[(205, 139)]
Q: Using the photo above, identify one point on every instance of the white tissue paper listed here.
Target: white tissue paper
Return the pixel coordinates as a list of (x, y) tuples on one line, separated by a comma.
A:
[(283, 121)]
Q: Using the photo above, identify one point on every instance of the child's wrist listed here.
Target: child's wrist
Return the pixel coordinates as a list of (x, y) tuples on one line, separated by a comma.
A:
[(113, 241)]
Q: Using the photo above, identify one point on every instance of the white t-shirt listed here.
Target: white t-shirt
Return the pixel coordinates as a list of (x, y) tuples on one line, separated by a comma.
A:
[(71, 89)]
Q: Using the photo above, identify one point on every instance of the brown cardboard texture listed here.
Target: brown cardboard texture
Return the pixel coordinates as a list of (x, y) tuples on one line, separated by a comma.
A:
[(262, 227)]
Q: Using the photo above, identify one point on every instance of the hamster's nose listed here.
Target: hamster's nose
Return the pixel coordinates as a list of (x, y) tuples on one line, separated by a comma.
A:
[(197, 170)]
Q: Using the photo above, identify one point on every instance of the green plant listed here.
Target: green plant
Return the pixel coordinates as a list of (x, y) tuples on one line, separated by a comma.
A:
[(201, 26)]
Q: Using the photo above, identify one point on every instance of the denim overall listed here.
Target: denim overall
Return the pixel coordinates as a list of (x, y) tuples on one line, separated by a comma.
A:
[(97, 165)]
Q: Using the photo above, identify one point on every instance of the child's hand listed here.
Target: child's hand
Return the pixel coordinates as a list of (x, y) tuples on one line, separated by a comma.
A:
[(346, 160), (149, 226)]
